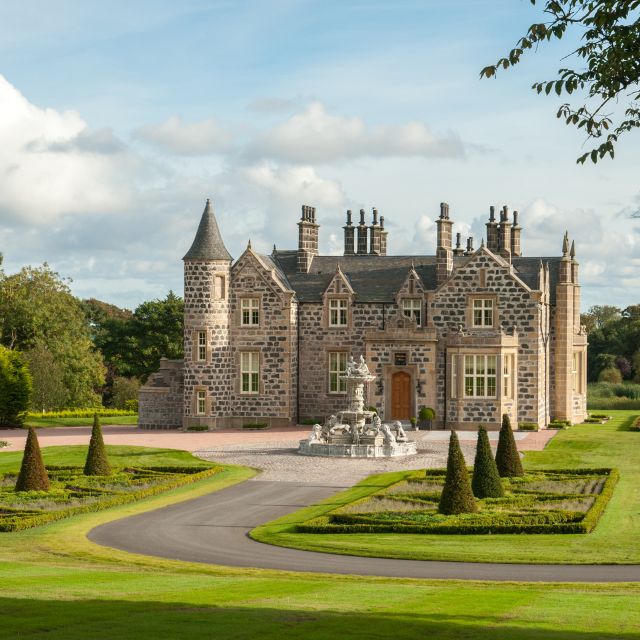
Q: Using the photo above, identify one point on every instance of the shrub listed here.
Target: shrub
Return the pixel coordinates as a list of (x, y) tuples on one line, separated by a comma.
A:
[(3, 444), (414, 421), (198, 427), (527, 426), (81, 413), (558, 424), (310, 421), (33, 475), (132, 405), (457, 496), (426, 413), (124, 390), (635, 425), (610, 374), (507, 456), (97, 463), (486, 479), (255, 425), (15, 388)]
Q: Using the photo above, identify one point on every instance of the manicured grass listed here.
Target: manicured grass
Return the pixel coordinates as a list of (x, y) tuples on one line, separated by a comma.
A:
[(614, 540), (78, 422), (58, 585)]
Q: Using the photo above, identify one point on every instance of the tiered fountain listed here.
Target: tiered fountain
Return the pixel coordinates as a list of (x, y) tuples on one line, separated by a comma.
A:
[(356, 432)]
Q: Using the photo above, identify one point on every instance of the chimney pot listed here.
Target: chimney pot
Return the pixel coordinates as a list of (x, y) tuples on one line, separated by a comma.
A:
[(375, 216), (361, 216), (492, 214), (349, 217), (382, 222)]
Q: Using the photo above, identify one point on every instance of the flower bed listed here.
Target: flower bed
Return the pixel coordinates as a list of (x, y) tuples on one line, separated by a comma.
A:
[(72, 492), (565, 501)]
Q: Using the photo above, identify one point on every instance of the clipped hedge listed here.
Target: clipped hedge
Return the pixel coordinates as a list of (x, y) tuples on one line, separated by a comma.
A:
[(102, 412), (19, 520), (552, 521), (527, 426)]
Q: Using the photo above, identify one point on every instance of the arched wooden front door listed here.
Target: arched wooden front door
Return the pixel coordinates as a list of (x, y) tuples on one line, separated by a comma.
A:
[(400, 396)]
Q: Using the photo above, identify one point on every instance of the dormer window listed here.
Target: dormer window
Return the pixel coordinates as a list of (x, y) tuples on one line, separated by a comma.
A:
[(250, 312), (483, 311), (412, 308), (338, 312)]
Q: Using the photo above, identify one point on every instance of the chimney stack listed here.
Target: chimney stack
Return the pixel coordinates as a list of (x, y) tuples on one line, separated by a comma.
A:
[(363, 239), (307, 238), (375, 237), (444, 251), (349, 236), (505, 234), (516, 231), (458, 251), (469, 250), (383, 237), (492, 231)]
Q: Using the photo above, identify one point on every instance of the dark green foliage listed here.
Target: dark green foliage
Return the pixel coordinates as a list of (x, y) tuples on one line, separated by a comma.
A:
[(507, 456), (426, 413), (607, 72), (15, 388), (486, 479), (457, 496), (33, 476), (97, 463)]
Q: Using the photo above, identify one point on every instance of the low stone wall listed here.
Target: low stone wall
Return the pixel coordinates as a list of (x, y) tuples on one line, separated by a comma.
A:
[(162, 397)]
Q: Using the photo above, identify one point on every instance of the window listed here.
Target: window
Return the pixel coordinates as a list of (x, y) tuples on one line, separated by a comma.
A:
[(507, 374), (250, 308), (454, 376), (338, 312), (577, 377), (412, 308), (202, 346), (250, 371), (480, 376), (337, 366), (201, 403), (483, 312), (218, 287)]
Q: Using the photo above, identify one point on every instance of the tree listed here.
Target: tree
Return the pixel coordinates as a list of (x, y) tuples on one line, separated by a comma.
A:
[(456, 496), (124, 390), (49, 391), (507, 456), (97, 463), (598, 316), (33, 475), (132, 346), (486, 481), (39, 310), (610, 374), (15, 388), (609, 51)]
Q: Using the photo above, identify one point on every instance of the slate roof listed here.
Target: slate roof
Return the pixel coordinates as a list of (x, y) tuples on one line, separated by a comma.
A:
[(208, 244), (379, 278)]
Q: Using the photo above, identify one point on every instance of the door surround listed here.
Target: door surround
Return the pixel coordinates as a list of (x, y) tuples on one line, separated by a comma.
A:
[(389, 371)]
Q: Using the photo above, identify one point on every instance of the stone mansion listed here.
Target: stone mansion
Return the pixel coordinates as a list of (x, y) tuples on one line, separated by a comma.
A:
[(471, 333)]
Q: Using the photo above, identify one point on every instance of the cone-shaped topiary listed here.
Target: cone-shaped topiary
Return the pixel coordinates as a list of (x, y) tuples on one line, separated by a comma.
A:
[(486, 479), (457, 496), (507, 456), (33, 476), (97, 463)]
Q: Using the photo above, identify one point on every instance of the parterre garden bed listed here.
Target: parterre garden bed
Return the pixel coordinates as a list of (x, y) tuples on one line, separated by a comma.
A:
[(543, 501), (72, 492)]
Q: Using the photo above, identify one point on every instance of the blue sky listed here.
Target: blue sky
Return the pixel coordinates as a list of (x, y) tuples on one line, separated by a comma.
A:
[(118, 119)]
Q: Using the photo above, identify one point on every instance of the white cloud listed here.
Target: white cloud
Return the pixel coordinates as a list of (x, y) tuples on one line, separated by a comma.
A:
[(186, 138), (52, 164), (315, 135)]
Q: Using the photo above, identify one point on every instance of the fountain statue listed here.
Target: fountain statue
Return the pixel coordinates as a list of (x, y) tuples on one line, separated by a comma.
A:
[(356, 432)]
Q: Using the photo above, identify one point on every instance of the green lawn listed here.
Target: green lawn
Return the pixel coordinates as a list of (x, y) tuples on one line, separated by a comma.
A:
[(58, 585), (79, 422), (615, 539)]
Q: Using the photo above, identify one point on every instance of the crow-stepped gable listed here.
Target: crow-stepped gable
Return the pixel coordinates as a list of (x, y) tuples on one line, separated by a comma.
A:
[(472, 333)]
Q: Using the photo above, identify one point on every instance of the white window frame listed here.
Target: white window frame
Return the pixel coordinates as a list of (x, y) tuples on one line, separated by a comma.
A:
[(478, 381), (337, 366), (454, 376), (250, 312), (412, 308), (338, 312), (202, 346), (576, 372), (507, 375), (201, 402), (250, 372), (485, 308)]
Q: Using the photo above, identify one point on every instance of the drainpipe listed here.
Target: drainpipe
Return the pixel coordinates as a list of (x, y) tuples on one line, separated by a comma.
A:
[(446, 373), (298, 363)]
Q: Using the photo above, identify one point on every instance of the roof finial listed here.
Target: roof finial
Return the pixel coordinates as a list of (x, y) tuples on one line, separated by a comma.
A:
[(249, 245), (274, 249), (565, 244), (572, 253)]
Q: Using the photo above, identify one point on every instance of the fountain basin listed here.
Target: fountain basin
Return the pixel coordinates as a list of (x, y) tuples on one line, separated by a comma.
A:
[(333, 450)]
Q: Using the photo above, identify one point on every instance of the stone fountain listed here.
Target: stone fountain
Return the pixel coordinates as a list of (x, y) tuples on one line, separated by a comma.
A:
[(356, 432)]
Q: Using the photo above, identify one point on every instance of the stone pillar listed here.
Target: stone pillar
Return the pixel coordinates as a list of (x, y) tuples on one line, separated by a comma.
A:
[(307, 238), (444, 250), (563, 361), (349, 236)]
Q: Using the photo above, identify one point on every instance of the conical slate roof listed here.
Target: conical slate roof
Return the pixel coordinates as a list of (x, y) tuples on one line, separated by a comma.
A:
[(208, 244)]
